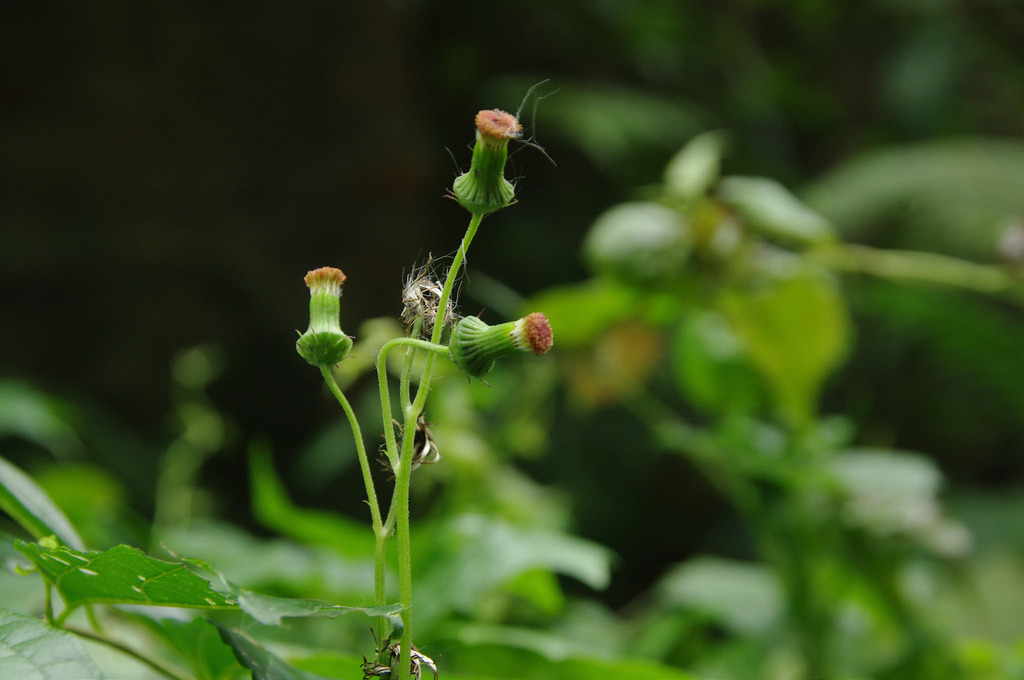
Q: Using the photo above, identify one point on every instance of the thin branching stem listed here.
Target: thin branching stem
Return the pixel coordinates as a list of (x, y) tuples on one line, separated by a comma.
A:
[(403, 466), (922, 267), (391, 443), (357, 435), (379, 535), (410, 356)]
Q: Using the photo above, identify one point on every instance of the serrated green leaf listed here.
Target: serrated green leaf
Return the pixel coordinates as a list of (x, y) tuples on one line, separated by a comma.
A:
[(121, 575), (771, 209), (33, 650), (269, 609), (28, 504), (264, 664)]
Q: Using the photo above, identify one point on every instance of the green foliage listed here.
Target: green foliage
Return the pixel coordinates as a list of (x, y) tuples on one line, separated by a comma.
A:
[(771, 210), (716, 328), (272, 508), (794, 332), (27, 504), (753, 326), (196, 643), (264, 664), (123, 575), (33, 650), (951, 197)]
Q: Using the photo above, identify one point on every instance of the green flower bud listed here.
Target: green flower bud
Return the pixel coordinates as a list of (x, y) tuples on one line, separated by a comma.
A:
[(475, 346), (324, 343), (484, 188)]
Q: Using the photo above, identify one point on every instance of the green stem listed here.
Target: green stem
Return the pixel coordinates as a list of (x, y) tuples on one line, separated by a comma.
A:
[(48, 605), (357, 434), (403, 467), (909, 265), (103, 639), (398, 516), (410, 356), (391, 444), (379, 535), (403, 475), (446, 293)]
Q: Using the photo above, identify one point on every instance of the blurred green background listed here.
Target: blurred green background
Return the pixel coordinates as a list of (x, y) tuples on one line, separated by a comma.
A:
[(170, 171)]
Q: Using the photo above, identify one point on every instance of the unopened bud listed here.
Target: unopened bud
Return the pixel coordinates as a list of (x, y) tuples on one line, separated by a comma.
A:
[(484, 188), (475, 346), (324, 343)]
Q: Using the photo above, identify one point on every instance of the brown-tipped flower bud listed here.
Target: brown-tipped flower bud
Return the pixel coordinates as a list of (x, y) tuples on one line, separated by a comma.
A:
[(484, 188), (475, 346), (324, 343)]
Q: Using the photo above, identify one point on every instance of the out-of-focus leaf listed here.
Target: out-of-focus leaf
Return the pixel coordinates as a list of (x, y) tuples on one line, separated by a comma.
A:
[(795, 331), (638, 243), (30, 649), (540, 588), (710, 365), (951, 196), (499, 653), (475, 554), (23, 500), (551, 647), (619, 366), (17, 593), (197, 642), (94, 500), (122, 575), (773, 210), (275, 510), (744, 597), (264, 664), (894, 493), (887, 473), (693, 170), (580, 312), (28, 413), (282, 566)]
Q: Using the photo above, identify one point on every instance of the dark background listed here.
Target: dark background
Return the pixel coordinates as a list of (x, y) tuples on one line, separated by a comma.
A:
[(170, 171)]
